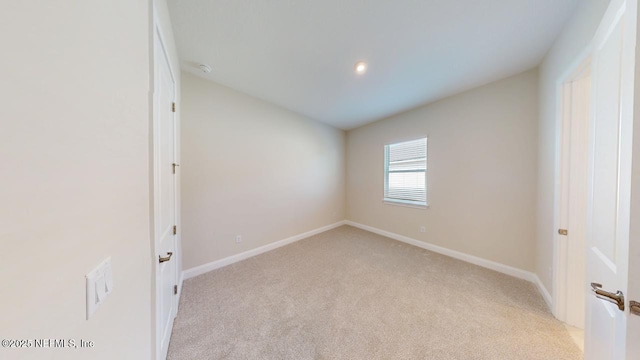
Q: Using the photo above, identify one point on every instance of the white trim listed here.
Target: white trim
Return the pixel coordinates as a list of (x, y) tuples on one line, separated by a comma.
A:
[(501, 268), (158, 29), (505, 269), (559, 270), (543, 291), (180, 281), (199, 270), (401, 139), (406, 203)]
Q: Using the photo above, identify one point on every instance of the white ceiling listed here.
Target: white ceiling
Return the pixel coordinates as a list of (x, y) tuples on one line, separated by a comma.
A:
[(300, 54)]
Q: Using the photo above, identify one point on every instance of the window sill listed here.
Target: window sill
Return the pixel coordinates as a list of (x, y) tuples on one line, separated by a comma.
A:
[(405, 204)]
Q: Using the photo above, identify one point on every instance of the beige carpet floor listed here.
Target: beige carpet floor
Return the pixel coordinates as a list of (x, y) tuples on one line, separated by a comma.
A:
[(351, 294)]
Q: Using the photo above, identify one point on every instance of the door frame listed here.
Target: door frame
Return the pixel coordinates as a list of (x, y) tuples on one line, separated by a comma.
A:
[(633, 286), (562, 252), (158, 35)]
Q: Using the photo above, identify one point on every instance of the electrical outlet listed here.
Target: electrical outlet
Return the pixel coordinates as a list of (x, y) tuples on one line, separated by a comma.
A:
[(423, 229), (238, 239)]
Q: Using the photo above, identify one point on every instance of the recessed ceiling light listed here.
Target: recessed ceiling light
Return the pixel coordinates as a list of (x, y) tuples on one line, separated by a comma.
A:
[(361, 67)]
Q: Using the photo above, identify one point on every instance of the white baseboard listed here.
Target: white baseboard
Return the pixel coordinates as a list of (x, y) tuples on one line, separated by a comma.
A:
[(180, 281), (199, 270), (543, 291), (179, 294), (505, 269)]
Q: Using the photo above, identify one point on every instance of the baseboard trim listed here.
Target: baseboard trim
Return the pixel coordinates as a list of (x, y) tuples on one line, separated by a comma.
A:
[(202, 269), (505, 269), (492, 265), (179, 294), (180, 281), (543, 291)]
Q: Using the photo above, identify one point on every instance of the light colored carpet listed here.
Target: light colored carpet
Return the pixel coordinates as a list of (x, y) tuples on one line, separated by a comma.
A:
[(351, 294)]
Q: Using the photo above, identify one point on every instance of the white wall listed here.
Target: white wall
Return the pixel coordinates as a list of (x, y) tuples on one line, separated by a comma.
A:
[(253, 169), (482, 156), (74, 149), (575, 37)]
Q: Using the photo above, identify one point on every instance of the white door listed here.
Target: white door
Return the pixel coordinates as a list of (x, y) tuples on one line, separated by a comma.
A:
[(570, 270), (610, 181), (165, 198)]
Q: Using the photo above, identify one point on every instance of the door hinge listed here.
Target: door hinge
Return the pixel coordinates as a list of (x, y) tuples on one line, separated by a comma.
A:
[(175, 229), (173, 107), (175, 289), (634, 307), (563, 232)]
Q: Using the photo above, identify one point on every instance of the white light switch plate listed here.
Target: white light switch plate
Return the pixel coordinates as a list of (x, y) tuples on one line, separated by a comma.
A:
[(99, 286)]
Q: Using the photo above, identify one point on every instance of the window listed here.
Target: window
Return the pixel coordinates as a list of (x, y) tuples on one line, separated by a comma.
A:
[(405, 172)]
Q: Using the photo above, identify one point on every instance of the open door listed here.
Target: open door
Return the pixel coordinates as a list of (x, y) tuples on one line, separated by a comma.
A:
[(165, 192), (613, 81), (570, 271)]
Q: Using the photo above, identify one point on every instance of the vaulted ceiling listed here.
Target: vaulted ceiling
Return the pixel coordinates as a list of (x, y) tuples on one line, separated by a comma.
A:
[(300, 54)]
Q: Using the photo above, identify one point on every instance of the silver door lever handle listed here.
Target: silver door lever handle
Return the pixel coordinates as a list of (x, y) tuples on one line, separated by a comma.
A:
[(617, 298), (166, 258)]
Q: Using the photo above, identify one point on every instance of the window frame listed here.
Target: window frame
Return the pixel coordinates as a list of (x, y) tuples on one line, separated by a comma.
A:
[(400, 202)]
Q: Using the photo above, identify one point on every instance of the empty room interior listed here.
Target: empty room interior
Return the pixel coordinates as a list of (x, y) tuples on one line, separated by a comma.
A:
[(337, 179)]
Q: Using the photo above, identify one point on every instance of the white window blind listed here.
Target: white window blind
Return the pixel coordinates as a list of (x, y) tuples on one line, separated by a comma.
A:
[(405, 172)]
